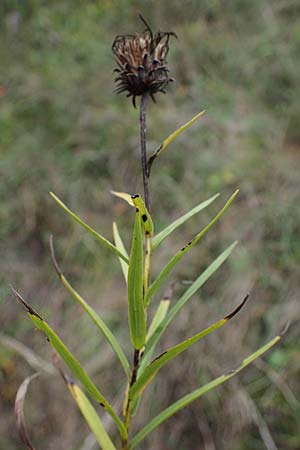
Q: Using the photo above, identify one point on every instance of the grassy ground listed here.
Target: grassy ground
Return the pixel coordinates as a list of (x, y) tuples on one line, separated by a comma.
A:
[(62, 129)]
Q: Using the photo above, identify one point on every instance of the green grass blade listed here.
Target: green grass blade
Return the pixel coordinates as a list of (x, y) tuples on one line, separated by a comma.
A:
[(91, 417), (162, 235), (173, 261), (98, 236), (71, 362), (121, 247), (136, 312), (211, 269), (171, 138), (187, 399), (149, 373), (159, 316)]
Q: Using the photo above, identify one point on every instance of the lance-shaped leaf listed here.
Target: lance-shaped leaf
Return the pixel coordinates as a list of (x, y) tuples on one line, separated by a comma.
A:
[(162, 235), (19, 411), (121, 247), (171, 138), (158, 317), (137, 202), (149, 373), (71, 362), (187, 399), (211, 269), (91, 417), (176, 258), (93, 315), (136, 312), (94, 233), (147, 223), (123, 196)]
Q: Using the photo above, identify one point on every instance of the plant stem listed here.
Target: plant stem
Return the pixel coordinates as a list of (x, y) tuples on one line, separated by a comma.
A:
[(137, 354), (143, 108)]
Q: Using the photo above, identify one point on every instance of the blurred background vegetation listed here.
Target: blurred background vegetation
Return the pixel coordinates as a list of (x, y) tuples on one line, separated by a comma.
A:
[(63, 129)]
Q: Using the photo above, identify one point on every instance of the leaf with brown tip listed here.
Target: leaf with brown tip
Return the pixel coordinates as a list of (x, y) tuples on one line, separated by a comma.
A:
[(19, 411)]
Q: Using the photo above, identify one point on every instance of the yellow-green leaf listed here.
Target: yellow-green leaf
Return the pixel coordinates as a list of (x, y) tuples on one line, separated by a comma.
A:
[(171, 138), (159, 316), (123, 196), (136, 312), (189, 398), (176, 258), (149, 373), (211, 269), (162, 235), (94, 233), (121, 247), (147, 223), (91, 417), (92, 313), (71, 362)]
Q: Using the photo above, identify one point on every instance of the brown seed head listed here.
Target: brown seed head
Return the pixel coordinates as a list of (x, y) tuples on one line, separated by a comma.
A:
[(141, 60)]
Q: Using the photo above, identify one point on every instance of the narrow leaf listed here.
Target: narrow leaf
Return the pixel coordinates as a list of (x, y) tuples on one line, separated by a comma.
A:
[(187, 399), (211, 269), (91, 417), (176, 258), (150, 371), (159, 316), (171, 138), (162, 235), (147, 223), (121, 247), (136, 313), (93, 315), (123, 196), (98, 236), (19, 411), (71, 362)]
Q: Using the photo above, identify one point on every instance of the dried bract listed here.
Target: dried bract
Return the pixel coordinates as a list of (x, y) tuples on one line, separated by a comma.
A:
[(142, 65)]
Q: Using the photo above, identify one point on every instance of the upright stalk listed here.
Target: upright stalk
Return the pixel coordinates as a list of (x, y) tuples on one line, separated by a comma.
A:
[(137, 354), (143, 127)]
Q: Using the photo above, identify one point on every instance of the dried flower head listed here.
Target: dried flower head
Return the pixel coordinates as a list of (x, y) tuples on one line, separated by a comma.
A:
[(142, 62)]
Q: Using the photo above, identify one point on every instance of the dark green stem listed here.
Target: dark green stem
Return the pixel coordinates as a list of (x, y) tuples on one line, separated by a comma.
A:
[(143, 108)]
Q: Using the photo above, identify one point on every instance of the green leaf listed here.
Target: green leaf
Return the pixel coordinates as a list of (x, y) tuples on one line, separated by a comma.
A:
[(71, 362), (91, 417), (187, 399), (173, 261), (147, 222), (171, 138), (98, 236), (211, 269), (136, 312), (121, 247), (101, 325), (159, 316), (92, 313), (162, 235), (149, 373)]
